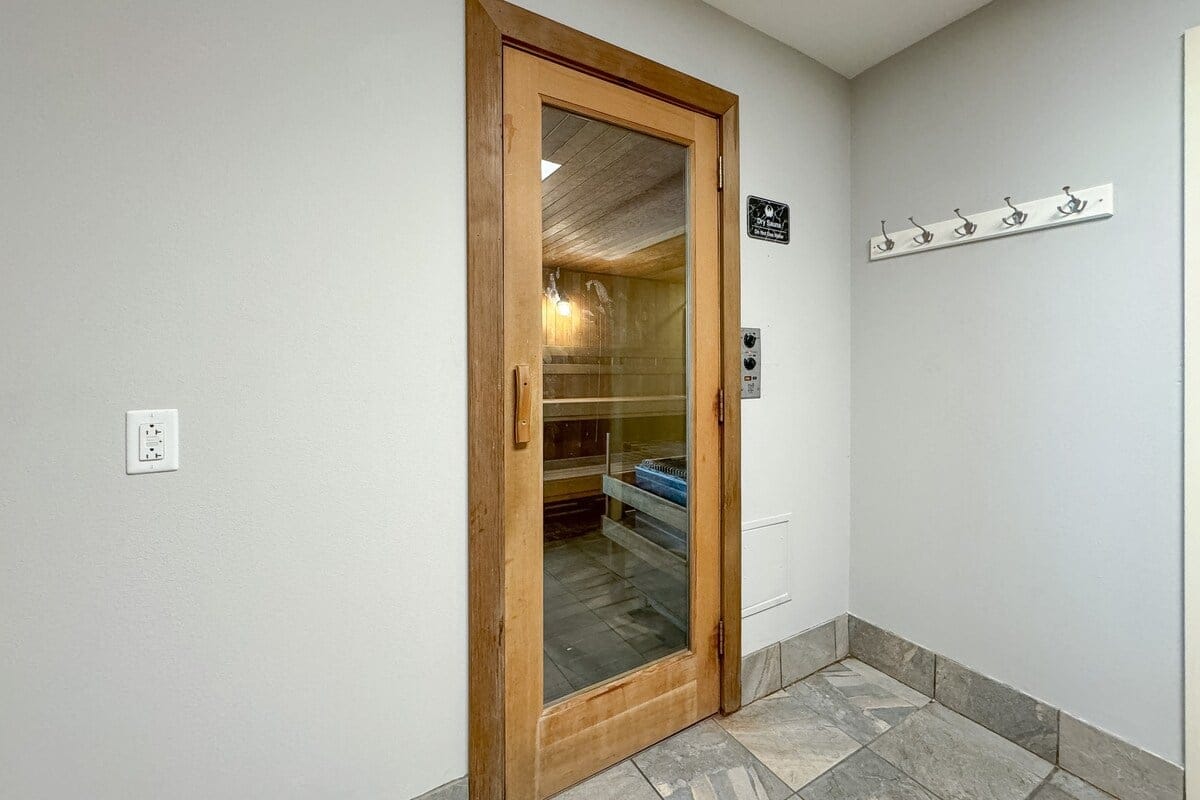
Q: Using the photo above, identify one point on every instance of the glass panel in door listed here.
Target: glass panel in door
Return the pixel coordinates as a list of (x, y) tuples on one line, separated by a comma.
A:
[(615, 322)]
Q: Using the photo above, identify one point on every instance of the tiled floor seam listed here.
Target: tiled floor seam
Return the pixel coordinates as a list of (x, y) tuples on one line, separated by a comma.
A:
[(832, 768), (897, 766), (716, 719), (756, 759), (1058, 741), (866, 746), (804, 677), (822, 716), (834, 722), (1043, 784), (645, 777)]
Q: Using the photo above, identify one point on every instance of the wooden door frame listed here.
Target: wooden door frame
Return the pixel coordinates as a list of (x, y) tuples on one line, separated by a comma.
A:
[(492, 25)]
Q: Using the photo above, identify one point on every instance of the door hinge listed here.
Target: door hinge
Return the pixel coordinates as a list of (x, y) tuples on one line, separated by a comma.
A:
[(721, 406), (721, 638), (720, 173)]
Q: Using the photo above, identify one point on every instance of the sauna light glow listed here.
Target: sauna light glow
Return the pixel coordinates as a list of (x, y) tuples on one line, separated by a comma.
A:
[(561, 303), (548, 168)]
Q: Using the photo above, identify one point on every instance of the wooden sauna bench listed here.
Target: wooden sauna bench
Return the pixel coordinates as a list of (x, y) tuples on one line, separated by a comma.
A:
[(583, 383), (623, 492), (569, 408), (572, 478)]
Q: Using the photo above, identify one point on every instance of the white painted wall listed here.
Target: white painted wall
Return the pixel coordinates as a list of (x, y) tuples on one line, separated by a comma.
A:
[(251, 212), (254, 213), (1016, 403)]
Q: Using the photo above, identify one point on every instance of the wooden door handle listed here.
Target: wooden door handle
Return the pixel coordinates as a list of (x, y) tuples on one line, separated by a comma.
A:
[(522, 432)]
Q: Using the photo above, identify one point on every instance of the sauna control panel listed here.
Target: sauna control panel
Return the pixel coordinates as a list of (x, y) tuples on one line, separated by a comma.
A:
[(751, 363)]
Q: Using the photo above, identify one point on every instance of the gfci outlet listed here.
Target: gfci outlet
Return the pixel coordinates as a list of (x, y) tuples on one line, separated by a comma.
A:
[(151, 441)]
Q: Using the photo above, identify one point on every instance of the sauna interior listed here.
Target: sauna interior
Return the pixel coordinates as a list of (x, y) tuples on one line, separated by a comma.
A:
[(615, 397)]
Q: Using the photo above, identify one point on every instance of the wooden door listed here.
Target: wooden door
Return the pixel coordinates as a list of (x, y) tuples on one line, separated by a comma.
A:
[(612, 484)]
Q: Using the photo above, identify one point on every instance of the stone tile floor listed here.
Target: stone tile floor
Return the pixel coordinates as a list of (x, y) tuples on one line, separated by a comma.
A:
[(606, 612), (848, 732)]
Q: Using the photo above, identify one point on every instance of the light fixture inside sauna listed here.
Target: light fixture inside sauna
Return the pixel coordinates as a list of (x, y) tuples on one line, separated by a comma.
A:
[(561, 303), (548, 168)]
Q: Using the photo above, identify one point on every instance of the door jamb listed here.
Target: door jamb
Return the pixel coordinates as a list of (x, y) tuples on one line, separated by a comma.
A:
[(490, 26)]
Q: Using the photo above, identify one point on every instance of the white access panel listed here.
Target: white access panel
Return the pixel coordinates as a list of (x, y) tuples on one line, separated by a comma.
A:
[(765, 564)]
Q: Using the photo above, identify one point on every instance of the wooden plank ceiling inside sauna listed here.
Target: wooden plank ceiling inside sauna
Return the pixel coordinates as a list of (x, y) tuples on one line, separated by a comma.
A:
[(617, 203)]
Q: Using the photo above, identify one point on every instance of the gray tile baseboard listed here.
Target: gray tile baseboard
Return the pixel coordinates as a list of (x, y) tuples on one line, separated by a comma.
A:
[(1100, 758), (454, 790), (892, 655), (1000, 708), (808, 652), (761, 674), (841, 628), (1114, 765), (781, 664)]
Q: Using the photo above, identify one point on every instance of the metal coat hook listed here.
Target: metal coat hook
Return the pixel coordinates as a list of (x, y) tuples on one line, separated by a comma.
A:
[(888, 242), (925, 237), (1018, 216), (1072, 206), (967, 228)]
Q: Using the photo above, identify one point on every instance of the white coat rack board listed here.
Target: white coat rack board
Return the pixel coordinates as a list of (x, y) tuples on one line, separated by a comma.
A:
[(1014, 217)]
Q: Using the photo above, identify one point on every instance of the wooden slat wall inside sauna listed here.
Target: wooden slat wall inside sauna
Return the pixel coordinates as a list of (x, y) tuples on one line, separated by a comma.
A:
[(620, 356)]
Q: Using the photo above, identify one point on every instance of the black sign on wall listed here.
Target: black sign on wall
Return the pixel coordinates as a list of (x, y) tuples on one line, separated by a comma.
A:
[(767, 220)]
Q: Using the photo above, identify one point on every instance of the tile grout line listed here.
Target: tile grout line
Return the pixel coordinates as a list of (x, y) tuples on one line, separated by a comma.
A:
[(861, 747), (1045, 782), (866, 746), (732, 738), (756, 759), (936, 659), (796, 792), (1058, 739), (897, 767), (642, 772)]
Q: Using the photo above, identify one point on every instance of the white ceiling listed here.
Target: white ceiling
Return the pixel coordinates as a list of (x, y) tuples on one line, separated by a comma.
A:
[(848, 36)]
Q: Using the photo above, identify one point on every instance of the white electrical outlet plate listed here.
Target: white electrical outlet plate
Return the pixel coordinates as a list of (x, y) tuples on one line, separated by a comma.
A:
[(151, 441)]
